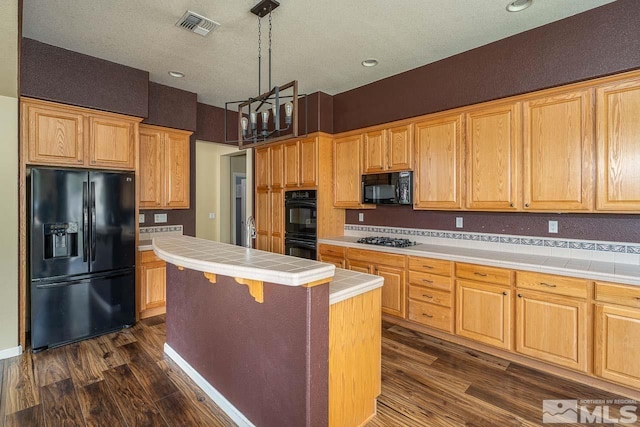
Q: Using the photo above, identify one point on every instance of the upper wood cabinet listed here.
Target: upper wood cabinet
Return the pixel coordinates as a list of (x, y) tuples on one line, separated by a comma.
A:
[(493, 138), (347, 172), (558, 152), (262, 167), (164, 168), (276, 166), (57, 134), (301, 163), (618, 145), (291, 163), (388, 150), (438, 163)]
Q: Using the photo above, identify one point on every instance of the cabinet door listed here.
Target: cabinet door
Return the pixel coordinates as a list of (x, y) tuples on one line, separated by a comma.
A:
[(263, 220), (55, 136), (309, 162), (262, 167), (112, 143), (276, 166), (347, 176), (291, 164), (558, 152), (483, 313), (374, 151), (493, 144), (400, 148), (552, 328), (618, 146), (438, 171), (617, 340), (152, 288), (360, 267), (151, 168), (393, 290), (176, 170), (277, 221)]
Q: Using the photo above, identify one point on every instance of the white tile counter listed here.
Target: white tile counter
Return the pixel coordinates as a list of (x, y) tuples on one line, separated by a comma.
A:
[(348, 284), (587, 269)]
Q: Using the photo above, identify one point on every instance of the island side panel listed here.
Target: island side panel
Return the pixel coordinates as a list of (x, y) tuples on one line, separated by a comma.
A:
[(270, 359)]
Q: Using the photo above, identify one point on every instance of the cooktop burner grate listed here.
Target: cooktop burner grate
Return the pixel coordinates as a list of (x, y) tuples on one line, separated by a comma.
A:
[(386, 241)]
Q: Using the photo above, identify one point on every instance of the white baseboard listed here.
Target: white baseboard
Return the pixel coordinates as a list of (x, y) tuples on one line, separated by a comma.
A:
[(11, 352), (233, 413)]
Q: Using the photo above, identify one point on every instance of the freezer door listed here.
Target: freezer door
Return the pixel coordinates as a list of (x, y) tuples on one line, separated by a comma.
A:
[(63, 312), (58, 222), (112, 218)]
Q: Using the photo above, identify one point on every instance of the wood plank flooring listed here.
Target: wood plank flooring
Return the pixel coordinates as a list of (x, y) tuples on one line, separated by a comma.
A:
[(124, 379)]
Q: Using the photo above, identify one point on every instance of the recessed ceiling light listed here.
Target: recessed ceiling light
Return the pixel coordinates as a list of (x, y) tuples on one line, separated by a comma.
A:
[(176, 74), (518, 5), (369, 62)]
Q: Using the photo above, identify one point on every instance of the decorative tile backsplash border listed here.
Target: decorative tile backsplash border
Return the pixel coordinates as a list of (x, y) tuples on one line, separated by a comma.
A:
[(593, 250), (161, 229)]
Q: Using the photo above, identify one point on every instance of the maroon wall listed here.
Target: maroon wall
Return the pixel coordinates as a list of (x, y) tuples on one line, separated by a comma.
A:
[(210, 124), (171, 107), (601, 41), (616, 228), (55, 74), (269, 360)]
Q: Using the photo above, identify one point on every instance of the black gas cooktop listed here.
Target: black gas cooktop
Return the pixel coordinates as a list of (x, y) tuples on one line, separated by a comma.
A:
[(386, 241)]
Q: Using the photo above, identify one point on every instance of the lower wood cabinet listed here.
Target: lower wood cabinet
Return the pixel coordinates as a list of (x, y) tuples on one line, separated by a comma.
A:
[(430, 293), (333, 255), (153, 285)]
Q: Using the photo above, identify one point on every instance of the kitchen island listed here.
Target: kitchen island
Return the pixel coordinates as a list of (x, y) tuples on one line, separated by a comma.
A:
[(274, 340)]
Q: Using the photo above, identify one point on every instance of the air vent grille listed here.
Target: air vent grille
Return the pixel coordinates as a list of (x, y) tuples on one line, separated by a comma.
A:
[(195, 23)]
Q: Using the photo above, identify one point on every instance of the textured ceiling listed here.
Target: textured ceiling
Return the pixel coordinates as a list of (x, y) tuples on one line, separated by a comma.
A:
[(321, 43)]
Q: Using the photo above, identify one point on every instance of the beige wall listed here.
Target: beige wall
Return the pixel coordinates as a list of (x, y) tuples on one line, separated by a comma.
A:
[(9, 174), (213, 189)]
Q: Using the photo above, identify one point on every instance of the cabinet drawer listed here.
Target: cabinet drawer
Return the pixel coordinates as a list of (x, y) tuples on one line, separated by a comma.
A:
[(550, 283), (430, 265), (481, 273), (331, 250), (431, 315), (432, 296), (374, 257), (431, 280), (618, 294), (148, 256)]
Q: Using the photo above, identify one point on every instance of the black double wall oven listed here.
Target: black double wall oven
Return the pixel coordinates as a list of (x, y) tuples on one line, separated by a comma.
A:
[(300, 238)]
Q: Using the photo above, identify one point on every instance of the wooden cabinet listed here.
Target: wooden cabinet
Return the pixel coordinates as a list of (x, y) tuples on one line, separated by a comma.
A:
[(618, 146), (552, 321), (332, 254), (262, 168), (300, 163), (57, 134), (438, 163), (430, 293), (347, 172), (493, 140), (164, 168), (263, 220), (153, 272), (558, 152), (389, 266), (277, 221), (388, 150), (617, 333), (483, 305)]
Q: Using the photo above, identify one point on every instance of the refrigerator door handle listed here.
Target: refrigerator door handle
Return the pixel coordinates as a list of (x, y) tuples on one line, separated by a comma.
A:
[(93, 221), (85, 223)]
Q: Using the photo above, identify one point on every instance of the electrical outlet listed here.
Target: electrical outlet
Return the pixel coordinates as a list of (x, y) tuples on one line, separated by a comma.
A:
[(458, 222), (553, 226), (360, 216), (158, 218), (141, 218), (212, 215)]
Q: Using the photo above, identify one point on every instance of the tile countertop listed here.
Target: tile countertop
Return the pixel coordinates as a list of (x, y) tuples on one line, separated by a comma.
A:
[(237, 261), (593, 270), (348, 284)]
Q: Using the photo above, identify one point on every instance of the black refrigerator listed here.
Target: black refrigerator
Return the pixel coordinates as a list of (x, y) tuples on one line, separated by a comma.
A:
[(82, 254)]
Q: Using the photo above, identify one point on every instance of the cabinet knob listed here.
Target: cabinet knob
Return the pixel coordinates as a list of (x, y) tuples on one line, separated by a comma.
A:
[(479, 274), (504, 293), (519, 295), (431, 281), (526, 205), (427, 296), (427, 315), (511, 205)]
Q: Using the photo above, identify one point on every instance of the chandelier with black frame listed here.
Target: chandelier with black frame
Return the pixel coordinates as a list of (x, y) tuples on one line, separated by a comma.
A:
[(273, 115)]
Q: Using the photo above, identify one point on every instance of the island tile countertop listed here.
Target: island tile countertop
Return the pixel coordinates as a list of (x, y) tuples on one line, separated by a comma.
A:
[(586, 269), (237, 261), (348, 284)]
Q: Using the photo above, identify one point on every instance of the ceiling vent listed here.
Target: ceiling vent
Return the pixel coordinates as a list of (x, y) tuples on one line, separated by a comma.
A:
[(195, 23)]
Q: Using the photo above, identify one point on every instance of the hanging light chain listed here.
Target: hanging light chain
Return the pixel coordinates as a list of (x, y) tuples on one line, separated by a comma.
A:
[(270, 27), (259, 53)]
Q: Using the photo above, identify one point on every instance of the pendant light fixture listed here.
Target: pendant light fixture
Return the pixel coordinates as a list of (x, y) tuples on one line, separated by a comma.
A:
[(272, 115)]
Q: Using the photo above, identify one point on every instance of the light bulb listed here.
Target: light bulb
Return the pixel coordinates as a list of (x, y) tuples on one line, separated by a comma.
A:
[(244, 122), (274, 110), (253, 118), (288, 111), (265, 119)]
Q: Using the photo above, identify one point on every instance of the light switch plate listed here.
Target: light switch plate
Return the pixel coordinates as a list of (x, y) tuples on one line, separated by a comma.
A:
[(459, 222), (361, 217), (141, 218), (553, 226), (212, 215), (158, 218)]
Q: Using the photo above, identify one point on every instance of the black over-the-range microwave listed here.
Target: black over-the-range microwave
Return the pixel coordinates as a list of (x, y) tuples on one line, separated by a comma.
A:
[(393, 188)]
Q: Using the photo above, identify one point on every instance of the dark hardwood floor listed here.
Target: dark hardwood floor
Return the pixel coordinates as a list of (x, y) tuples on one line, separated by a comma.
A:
[(124, 379)]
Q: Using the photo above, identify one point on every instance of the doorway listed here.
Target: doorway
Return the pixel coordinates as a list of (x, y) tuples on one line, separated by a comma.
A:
[(238, 208)]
